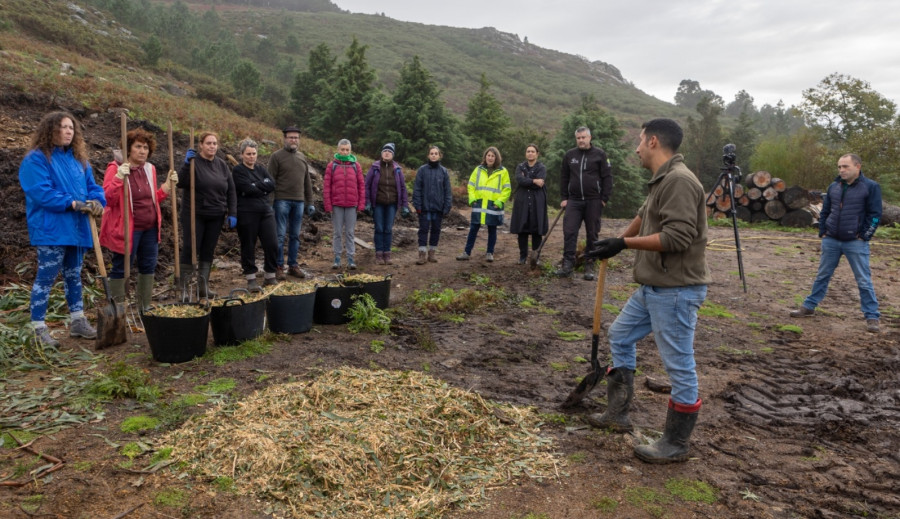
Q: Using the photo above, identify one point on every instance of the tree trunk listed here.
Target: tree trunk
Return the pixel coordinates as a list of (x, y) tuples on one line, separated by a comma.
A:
[(758, 217), (795, 197), (756, 206), (769, 194), (743, 213), (797, 218), (754, 193), (775, 209), (890, 214), (738, 191), (778, 185), (761, 179), (723, 203)]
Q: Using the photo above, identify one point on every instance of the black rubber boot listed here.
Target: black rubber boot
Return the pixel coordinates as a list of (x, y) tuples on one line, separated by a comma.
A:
[(590, 270), (619, 392), (568, 266), (203, 272), (675, 442)]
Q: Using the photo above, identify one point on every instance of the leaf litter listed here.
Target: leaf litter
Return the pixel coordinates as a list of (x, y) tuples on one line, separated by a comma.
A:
[(359, 443)]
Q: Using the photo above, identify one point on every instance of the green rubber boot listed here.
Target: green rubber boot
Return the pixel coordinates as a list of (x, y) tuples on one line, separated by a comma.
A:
[(117, 289), (145, 290)]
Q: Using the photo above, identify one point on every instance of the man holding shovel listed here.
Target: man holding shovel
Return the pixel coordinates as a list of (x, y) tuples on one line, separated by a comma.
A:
[(669, 234)]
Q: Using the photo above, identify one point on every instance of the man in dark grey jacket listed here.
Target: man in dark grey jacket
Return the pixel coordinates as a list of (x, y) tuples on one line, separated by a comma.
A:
[(585, 187)]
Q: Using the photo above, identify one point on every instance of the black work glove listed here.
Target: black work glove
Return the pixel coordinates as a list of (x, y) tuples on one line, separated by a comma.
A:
[(603, 249)]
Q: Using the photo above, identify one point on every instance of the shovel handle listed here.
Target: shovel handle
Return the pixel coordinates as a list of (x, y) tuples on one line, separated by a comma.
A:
[(598, 297), (174, 195), (541, 246), (125, 199), (97, 251), (193, 213)]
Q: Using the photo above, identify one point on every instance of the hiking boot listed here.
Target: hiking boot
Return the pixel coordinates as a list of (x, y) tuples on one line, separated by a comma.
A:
[(270, 282), (253, 286), (590, 271), (489, 257), (463, 257), (279, 274), (423, 258), (352, 264), (294, 270), (431, 258), (803, 312), (387, 258), (379, 257), (619, 392), (82, 328), (337, 263), (872, 326), (566, 269), (675, 442), (523, 260), (43, 338)]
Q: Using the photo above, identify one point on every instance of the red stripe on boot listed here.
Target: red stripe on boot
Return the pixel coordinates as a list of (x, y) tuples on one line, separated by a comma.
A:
[(685, 408)]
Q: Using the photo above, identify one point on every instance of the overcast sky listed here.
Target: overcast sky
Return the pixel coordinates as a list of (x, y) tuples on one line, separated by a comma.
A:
[(773, 49)]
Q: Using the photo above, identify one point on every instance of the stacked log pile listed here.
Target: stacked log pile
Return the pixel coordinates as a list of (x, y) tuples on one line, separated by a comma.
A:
[(764, 198)]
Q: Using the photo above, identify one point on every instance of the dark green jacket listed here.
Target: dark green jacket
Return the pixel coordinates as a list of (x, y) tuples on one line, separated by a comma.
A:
[(675, 208)]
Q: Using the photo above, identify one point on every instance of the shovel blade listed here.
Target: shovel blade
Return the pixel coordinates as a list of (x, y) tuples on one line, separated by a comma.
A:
[(111, 322), (584, 387)]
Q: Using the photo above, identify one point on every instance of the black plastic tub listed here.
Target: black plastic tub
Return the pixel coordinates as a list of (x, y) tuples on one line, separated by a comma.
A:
[(332, 303), (291, 314), (380, 291), (177, 339), (236, 321)]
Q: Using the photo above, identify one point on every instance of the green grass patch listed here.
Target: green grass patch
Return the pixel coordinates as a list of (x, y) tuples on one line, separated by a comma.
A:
[(647, 499), (559, 366), (577, 457), (579, 360), (767, 349), (82, 466), (161, 455), (376, 346), (131, 450), (224, 484), (710, 309), (7, 441), (606, 505), (692, 490), (554, 418), (245, 350), (219, 386), (32, 503), (123, 381), (138, 424), (365, 316), (449, 301), (733, 351), (174, 498), (570, 336), (611, 308), (190, 400), (793, 328)]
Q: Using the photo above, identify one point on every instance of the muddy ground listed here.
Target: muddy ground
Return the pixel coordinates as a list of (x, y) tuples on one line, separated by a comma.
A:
[(793, 424)]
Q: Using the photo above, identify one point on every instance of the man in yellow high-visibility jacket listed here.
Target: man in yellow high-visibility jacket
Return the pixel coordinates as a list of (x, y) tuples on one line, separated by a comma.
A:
[(489, 190)]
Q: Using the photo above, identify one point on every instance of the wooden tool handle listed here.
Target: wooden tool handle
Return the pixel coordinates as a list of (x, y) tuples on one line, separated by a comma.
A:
[(598, 297), (125, 200), (173, 194), (97, 250)]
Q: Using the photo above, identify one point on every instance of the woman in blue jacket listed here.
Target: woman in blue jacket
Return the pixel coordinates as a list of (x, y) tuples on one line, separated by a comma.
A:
[(432, 200), (60, 196)]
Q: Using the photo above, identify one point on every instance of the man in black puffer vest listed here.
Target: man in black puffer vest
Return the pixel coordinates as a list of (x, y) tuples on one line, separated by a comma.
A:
[(850, 214)]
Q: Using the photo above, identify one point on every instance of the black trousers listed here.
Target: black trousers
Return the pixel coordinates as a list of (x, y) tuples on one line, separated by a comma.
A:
[(208, 230), (523, 243), (578, 211), (250, 228)]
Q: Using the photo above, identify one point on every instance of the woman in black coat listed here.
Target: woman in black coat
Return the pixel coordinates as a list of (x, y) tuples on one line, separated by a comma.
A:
[(529, 215), (256, 219)]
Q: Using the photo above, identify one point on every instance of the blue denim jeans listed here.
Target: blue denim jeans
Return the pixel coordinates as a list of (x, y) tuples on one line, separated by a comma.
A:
[(671, 314), (51, 259), (384, 226), (857, 254), (288, 218), (473, 233), (144, 254)]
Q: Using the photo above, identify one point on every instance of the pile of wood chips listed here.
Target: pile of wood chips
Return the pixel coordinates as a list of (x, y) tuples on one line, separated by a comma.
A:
[(362, 278), (359, 443), (178, 311), (294, 288)]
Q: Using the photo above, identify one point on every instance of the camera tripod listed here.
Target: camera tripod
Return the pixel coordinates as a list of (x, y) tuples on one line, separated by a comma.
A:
[(730, 174)]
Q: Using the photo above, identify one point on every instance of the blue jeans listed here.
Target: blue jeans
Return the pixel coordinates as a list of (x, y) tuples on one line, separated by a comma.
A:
[(857, 254), (384, 226), (288, 218), (473, 233), (52, 258), (671, 314), (144, 254)]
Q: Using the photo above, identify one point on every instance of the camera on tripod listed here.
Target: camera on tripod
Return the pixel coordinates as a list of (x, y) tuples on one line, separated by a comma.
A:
[(729, 158)]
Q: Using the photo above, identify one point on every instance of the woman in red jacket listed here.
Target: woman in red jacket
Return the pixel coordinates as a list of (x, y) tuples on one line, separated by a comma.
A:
[(344, 194), (144, 216)]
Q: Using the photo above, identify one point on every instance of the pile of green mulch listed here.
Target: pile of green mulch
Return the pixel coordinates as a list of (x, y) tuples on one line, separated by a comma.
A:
[(358, 443)]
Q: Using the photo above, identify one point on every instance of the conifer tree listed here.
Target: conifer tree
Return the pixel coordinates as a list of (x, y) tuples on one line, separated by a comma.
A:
[(308, 84), (486, 123)]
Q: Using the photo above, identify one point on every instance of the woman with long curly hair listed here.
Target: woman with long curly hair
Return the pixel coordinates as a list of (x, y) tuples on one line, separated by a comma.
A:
[(60, 196)]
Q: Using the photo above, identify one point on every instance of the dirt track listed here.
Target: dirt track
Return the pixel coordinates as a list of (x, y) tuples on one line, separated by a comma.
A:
[(793, 424)]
